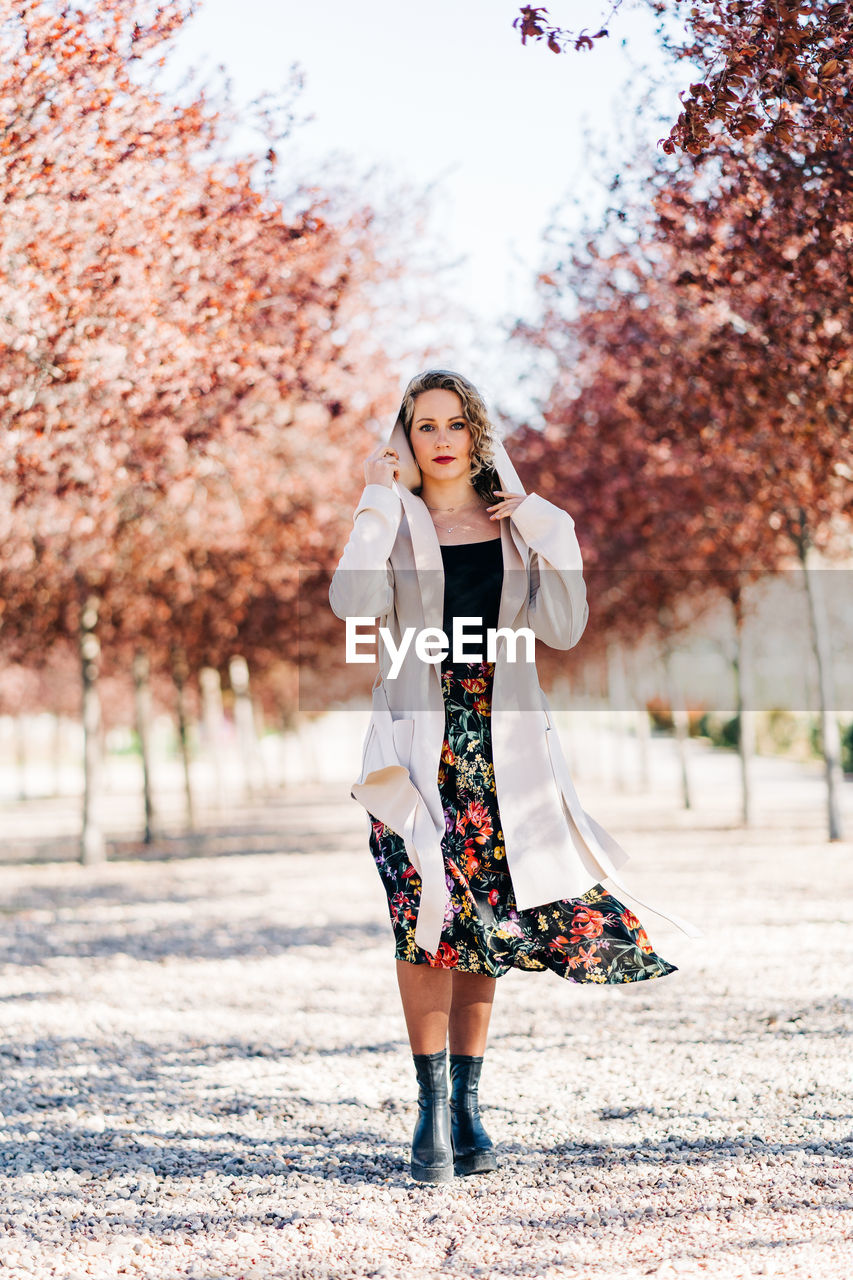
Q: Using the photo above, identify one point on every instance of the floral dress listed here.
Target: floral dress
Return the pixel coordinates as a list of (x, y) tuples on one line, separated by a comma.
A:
[(593, 938)]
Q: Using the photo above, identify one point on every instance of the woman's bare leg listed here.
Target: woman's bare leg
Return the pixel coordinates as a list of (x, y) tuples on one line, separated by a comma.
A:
[(470, 1011), (426, 994), (438, 1001), (449, 1136)]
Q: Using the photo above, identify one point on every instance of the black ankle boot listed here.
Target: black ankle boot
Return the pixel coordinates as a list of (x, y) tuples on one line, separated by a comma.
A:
[(432, 1154), (472, 1146)]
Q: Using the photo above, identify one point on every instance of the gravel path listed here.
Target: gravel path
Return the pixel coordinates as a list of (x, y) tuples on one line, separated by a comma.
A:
[(197, 1083)]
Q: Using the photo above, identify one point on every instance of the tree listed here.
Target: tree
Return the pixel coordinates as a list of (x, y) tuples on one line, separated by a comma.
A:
[(757, 61), (701, 406), (188, 367)]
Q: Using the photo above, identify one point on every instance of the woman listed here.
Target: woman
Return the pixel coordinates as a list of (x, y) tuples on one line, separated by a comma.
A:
[(488, 859)]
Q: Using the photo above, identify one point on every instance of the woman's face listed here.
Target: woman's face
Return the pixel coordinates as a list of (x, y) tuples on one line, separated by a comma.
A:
[(440, 436)]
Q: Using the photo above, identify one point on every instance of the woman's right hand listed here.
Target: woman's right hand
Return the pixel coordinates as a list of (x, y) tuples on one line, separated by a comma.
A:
[(382, 466)]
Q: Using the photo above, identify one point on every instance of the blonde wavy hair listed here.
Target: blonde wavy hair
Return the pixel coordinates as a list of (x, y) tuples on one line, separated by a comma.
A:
[(484, 477)]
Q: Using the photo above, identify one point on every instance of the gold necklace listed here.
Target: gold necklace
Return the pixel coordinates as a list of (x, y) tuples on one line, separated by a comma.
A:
[(459, 523)]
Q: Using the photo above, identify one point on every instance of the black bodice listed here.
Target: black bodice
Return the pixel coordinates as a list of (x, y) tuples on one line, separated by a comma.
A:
[(473, 578)]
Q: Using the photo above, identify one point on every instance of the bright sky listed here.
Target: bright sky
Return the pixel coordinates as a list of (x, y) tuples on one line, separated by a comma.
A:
[(442, 93)]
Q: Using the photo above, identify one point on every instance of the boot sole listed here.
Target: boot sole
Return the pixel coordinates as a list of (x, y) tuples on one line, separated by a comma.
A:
[(439, 1173), (477, 1162)]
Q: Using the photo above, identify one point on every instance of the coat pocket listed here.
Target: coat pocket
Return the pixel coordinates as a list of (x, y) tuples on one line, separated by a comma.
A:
[(403, 732), (559, 768)]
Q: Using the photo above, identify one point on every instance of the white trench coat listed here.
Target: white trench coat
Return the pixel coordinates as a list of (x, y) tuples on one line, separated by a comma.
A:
[(391, 569)]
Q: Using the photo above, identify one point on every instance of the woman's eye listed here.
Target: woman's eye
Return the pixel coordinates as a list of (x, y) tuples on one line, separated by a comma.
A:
[(460, 425)]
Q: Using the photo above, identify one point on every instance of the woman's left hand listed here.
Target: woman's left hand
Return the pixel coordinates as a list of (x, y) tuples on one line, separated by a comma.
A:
[(507, 506)]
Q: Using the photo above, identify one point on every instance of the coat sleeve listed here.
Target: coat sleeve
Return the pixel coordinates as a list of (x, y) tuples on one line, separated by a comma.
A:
[(363, 583), (557, 608)]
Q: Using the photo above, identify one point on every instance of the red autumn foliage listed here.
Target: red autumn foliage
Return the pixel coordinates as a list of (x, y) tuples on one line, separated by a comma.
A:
[(188, 371), (758, 61), (698, 423)]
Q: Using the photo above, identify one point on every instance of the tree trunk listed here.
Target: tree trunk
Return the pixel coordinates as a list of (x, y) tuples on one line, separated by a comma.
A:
[(743, 708), (56, 755), (617, 696), (212, 716), (829, 732), (21, 755), (636, 694), (92, 843), (679, 719), (180, 672), (142, 707), (247, 738)]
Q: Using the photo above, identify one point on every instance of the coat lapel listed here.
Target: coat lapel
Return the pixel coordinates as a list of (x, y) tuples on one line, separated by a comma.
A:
[(427, 556), (512, 544)]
